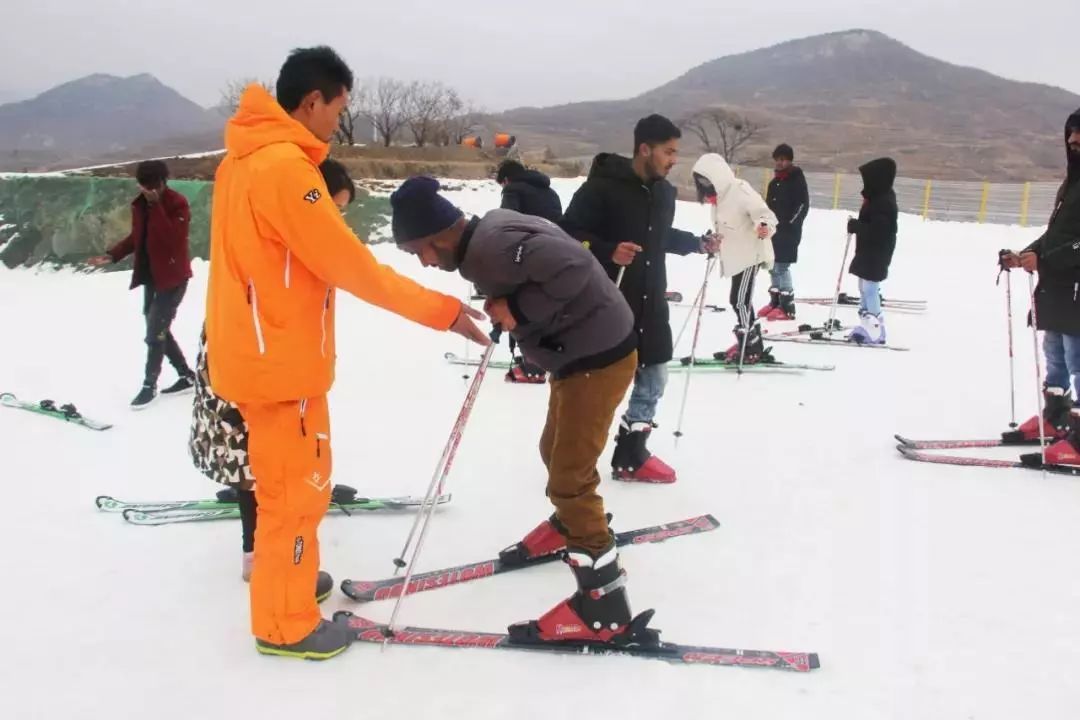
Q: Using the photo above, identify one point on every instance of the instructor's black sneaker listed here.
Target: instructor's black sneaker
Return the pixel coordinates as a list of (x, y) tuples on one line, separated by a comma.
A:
[(323, 586), (185, 383), (145, 397), (327, 640)]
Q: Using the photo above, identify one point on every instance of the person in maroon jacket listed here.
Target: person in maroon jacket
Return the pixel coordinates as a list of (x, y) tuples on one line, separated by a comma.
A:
[(159, 240)]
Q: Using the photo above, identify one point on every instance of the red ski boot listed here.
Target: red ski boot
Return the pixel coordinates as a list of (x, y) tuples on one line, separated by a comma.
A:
[(547, 538), (755, 347), (1065, 451), (774, 304), (633, 462), (785, 310), (523, 371), (597, 614), (1055, 419)]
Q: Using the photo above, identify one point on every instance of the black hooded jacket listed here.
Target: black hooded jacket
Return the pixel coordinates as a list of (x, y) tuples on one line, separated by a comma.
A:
[(614, 206), (1057, 297), (875, 230), (530, 193), (789, 199)]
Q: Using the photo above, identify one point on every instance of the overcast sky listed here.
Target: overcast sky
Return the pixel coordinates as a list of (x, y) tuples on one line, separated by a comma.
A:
[(503, 54)]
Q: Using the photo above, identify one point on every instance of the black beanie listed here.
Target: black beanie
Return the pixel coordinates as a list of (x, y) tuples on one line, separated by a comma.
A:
[(783, 150), (419, 210)]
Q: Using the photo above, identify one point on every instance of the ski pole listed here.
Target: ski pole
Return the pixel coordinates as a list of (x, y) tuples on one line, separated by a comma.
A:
[(618, 280), (1038, 370), (1009, 318), (700, 298), (839, 282), (442, 469), (693, 345)]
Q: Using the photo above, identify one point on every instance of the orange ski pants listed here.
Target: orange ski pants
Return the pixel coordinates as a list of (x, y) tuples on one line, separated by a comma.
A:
[(289, 452)]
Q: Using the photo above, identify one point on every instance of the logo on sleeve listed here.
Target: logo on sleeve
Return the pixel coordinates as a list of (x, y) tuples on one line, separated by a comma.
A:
[(313, 195), (520, 254)]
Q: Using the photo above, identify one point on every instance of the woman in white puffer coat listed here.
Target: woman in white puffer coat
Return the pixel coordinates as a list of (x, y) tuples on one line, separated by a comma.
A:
[(744, 225)]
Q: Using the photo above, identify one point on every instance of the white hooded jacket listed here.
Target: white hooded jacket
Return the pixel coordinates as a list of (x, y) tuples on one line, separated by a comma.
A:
[(735, 216)]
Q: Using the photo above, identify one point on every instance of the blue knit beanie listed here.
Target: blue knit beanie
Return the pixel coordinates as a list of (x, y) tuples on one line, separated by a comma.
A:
[(419, 210)]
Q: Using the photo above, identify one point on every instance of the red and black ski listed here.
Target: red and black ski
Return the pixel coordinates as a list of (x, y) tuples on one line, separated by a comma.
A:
[(368, 590), (919, 456), (957, 444), (368, 631)]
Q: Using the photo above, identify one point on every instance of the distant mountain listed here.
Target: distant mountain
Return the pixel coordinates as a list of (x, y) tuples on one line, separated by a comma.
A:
[(101, 115), (839, 99)]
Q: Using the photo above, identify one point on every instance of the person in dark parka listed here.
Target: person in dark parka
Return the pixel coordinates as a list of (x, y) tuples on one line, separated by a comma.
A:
[(789, 199), (1055, 255), (875, 242), (528, 191)]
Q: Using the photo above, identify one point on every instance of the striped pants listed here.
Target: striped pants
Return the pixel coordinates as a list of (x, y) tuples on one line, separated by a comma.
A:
[(742, 296)]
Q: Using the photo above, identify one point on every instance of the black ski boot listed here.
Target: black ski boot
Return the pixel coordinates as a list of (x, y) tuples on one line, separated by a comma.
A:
[(774, 302), (598, 613), (755, 347), (1055, 419), (632, 461)]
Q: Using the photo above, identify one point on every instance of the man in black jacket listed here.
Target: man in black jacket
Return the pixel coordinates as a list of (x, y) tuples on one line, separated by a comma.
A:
[(789, 199), (529, 193), (1056, 257), (623, 214)]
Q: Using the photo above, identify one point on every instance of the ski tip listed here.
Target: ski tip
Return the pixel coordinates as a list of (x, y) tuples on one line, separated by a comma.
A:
[(449, 355), (903, 440), (102, 500), (813, 661)]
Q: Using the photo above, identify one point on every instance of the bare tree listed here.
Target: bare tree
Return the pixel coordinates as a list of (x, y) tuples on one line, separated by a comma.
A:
[(384, 102), (428, 106), (230, 94), (462, 119), (722, 131), (359, 108)]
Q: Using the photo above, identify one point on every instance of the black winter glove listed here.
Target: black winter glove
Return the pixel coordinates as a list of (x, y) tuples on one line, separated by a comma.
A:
[(852, 226)]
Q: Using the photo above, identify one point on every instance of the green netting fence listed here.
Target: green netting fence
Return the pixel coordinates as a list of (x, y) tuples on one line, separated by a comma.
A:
[(63, 220)]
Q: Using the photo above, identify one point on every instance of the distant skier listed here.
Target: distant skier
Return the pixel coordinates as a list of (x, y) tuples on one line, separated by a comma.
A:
[(218, 442), (159, 240), (279, 249), (789, 199), (743, 225), (549, 292), (623, 214), (1056, 257), (528, 192), (875, 241)]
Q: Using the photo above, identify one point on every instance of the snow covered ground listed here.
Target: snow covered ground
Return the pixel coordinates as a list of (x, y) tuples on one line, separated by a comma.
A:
[(929, 591)]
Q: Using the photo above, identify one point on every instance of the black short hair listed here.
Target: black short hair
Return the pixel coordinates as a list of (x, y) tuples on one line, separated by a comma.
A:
[(509, 170), (151, 173), (337, 178), (654, 130), (308, 69), (783, 150)]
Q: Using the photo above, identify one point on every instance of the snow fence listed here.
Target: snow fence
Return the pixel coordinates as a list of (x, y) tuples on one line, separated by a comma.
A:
[(62, 220)]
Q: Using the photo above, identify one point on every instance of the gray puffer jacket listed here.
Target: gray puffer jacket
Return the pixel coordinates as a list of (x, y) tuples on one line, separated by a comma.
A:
[(570, 316)]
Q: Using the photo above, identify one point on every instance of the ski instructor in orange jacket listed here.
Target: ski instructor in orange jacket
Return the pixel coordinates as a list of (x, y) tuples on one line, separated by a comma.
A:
[(278, 249)]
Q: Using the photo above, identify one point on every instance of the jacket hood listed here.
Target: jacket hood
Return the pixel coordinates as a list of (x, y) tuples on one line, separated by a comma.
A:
[(534, 178), (1073, 159), (715, 169), (614, 167), (878, 176), (260, 121)]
